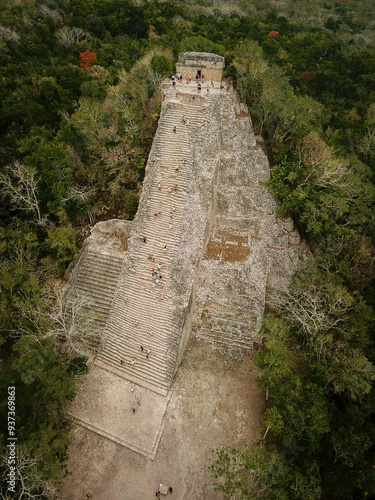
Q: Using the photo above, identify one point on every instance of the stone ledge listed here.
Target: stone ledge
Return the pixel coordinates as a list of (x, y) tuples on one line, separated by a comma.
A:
[(119, 441), (132, 378), (104, 402)]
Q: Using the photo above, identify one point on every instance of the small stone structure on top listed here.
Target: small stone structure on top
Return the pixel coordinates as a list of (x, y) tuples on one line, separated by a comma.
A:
[(198, 64)]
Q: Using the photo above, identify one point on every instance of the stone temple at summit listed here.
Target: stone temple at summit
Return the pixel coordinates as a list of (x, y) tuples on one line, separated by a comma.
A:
[(198, 64)]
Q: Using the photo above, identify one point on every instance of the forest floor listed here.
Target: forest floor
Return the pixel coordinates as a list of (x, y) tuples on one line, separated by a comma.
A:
[(215, 402)]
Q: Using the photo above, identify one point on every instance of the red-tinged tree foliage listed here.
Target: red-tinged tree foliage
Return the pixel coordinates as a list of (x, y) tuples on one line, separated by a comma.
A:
[(87, 58), (273, 33), (308, 75)]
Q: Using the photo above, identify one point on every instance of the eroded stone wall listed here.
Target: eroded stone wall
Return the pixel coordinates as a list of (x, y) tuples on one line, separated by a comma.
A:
[(250, 252)]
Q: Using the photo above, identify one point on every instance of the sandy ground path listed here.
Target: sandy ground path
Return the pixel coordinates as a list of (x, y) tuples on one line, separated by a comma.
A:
[(215, 403)]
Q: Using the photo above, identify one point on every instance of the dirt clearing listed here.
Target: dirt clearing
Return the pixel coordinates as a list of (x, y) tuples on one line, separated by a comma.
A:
[(215, 403)]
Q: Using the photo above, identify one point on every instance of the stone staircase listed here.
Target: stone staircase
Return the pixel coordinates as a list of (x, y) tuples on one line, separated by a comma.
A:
[(94, 276), (231, 294), (97, 280), (149, 303)]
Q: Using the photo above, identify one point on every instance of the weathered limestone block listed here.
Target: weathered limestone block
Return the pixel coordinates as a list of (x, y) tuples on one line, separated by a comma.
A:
[(294, 238), (242, 200), (287, 224)]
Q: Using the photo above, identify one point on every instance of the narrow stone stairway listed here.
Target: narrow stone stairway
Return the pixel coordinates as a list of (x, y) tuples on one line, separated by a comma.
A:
[(141, 316), (96, 282)]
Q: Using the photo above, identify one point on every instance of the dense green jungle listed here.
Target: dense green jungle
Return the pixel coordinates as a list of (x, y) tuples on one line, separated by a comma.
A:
[(80, 100)]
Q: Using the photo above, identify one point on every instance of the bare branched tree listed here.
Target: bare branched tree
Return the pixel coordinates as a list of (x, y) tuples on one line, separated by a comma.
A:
[(67, 36), (312, 150), (366, 144), (314, 310), (61, 314), (21, 185), (54, 14), (33, 318), (91, 119), (79, 193), (29, 482), (320, 162), (9, 35), (72, 318)]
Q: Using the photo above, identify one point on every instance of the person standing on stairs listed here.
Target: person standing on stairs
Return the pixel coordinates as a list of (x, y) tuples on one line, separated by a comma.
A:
[(174, 129)]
